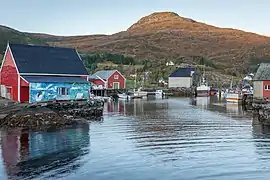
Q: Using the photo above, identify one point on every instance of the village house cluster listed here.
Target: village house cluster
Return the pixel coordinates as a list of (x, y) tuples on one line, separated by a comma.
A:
[(31, 73)]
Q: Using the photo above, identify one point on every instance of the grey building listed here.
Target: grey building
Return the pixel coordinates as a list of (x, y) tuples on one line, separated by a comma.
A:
[(182, 77)]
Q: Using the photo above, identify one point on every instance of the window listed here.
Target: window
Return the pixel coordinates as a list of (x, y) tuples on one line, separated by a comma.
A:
[(115, 76), (63, 91), (266, 87)]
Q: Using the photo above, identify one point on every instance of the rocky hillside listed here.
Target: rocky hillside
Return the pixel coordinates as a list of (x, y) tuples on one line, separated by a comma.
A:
[(165, 36)]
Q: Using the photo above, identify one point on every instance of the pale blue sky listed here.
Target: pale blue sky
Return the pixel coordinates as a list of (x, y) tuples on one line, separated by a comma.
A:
[(80, 17)]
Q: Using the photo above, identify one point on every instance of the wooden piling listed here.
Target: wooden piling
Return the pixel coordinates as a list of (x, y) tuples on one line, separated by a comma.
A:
[(219, 93)]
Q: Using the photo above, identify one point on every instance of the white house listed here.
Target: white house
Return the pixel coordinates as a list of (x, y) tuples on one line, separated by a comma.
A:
[(170, 63), (182, 77)]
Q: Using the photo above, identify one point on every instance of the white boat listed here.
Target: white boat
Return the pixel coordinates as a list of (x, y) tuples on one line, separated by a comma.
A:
[(203, 89), (124, 96), (234, 96), (101, 98), (159, 93)]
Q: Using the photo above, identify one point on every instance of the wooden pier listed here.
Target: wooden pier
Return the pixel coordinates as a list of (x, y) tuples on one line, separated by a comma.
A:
[(113, 92)]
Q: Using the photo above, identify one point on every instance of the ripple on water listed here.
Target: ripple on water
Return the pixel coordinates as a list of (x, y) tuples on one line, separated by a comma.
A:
[(166, 139)]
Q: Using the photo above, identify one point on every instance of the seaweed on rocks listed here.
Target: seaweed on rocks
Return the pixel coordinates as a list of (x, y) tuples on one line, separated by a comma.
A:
[(53, 115)]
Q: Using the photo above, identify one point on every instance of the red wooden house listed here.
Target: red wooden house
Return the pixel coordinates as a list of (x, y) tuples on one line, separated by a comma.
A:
[(32, 73), (108, 79), (261, 81)]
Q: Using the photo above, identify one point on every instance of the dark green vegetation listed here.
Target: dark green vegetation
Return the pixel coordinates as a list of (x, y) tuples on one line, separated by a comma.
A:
[(13, 36), (92, 60), (127, 65)]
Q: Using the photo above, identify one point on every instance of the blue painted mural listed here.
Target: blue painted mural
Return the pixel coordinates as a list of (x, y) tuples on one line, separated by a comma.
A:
[(40, 92)]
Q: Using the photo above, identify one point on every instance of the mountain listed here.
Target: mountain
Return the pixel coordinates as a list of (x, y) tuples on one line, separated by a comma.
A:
[(164, 36), (11, 35), (167, 36)]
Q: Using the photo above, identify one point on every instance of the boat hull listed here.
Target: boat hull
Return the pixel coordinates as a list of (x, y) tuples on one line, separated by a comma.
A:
[(202, 93), (123, 96), (234, 98)]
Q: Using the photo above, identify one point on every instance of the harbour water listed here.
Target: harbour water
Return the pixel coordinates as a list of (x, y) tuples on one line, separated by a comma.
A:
[(177, 138)]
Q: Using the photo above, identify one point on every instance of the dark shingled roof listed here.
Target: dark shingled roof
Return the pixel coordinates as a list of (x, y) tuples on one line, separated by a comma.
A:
[(263, 72), (53, 79), (182, 72), (47, 60)]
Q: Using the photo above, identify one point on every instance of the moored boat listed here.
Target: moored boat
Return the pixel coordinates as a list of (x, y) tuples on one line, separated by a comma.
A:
[(213, 92), (123, 96), (203, 89), (159, 93), (234, 96)]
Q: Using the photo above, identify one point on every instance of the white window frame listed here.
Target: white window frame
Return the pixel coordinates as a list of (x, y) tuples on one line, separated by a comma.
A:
[(116, 76), (60, 91), (267, 87)]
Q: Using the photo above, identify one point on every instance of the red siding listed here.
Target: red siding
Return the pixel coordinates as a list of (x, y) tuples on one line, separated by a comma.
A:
[(24, 94), (9, 75), (24, 91), (24, 83), (266, 93), (120, 80)]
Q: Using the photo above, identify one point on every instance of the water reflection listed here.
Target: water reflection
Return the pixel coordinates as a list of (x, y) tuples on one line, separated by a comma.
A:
[(115, 107), (177, 138), (135, 107), (27, 155), (261, 138), (213, 103)]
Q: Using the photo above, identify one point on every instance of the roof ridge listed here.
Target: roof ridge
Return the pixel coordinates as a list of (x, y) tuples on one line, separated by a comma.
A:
[(40, 45)]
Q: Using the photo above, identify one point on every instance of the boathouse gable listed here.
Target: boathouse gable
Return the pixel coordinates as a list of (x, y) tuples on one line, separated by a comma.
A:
[(9, 76), (182, 77), (32, 73), (261, 81), (108, 79)]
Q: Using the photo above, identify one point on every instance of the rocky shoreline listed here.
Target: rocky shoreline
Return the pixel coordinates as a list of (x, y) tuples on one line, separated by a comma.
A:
[(51, 115), (261, 111)]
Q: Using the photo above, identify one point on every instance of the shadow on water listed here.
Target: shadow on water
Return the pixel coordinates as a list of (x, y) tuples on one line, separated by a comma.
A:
[(29, 155)]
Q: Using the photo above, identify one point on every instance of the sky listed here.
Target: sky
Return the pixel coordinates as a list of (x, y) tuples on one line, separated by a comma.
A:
[(84, 17)]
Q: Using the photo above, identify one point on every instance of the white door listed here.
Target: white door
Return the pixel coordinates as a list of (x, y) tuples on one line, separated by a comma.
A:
[(116, 85)]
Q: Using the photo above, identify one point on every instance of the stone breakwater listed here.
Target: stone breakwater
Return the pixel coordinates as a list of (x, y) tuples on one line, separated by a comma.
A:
[(186, 92), (261, 111), (52, 115), (262, 114)]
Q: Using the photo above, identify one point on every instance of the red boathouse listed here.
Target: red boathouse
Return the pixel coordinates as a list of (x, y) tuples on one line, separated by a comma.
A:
[(108, 79), (32, 73)]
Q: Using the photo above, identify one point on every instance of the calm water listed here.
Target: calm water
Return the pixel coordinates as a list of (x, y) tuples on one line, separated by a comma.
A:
[(154, 139)]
